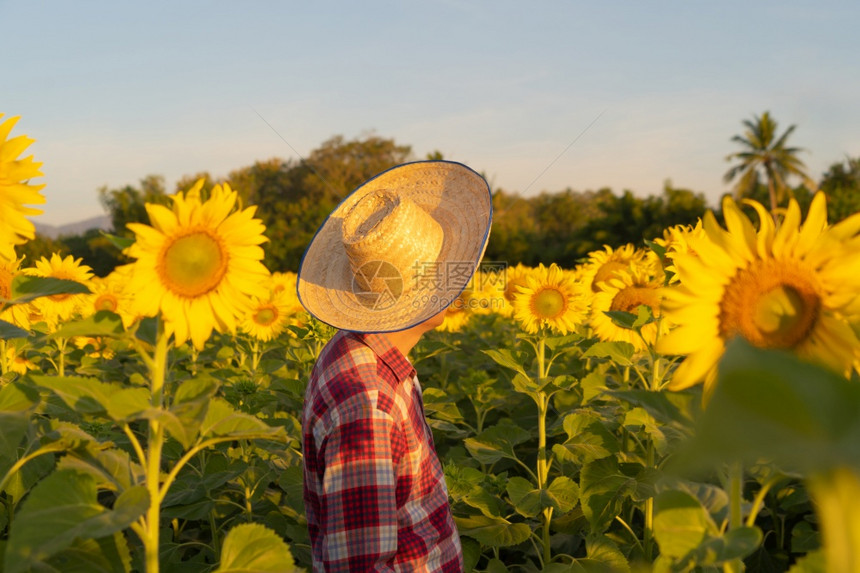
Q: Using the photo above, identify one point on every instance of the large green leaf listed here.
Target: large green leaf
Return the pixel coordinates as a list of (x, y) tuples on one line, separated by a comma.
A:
[(561, 496), (493, 531), (619, 352), (253, 548), (109, 554), (102, 323), (188, 410), (112, 468), (638, 419), (94, 397), (604, 485), (27, 288), (799, 415), (587, 439), (9, 331), (496, 442), (16, 403), (681, 524), (507, 358), (61, 508), (223, 420)]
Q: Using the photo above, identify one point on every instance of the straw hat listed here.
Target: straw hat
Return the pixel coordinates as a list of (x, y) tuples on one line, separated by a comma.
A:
[(398, 249)]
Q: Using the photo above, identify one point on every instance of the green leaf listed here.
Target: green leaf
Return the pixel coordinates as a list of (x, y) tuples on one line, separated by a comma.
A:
[(482, 500), (588, 439), (639, 418), (61, 508), (797, 414), (189, 408), (504, 357), (94, 397), (518, 489), (681, 524), (804, 538), (109, 554), (112, 468), (27, 288), (496, 442), (121, 243), (493, 531), (565, 493), (16, 404), (603, 489), (102, 323), (619, 352), (735, 544), (9, 331), (471, 553), (495, 565), (593, 385), (251, 547), (621, 318), (561, 496), (222, 420), (604, 555), (672, 408), (813, 562)]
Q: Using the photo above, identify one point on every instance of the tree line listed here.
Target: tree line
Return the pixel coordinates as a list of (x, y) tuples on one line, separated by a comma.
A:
[(294, 196)]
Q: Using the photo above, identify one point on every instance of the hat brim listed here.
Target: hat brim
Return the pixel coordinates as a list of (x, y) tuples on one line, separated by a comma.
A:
[(457, 197)]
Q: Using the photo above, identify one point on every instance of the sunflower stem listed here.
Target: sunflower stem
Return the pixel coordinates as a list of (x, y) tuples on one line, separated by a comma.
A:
[(542, 466), (4, 368), (735, 478), (61, 365), (155, 444)]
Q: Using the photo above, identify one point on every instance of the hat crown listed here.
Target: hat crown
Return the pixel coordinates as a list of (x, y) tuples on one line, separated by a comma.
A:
[(383, 228)]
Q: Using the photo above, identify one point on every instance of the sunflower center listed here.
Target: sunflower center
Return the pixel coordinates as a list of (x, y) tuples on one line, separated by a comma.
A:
[(773, 304), (266, 315), (606, 271), (106, 301), (193, 264), (548, 303), (630, 298)]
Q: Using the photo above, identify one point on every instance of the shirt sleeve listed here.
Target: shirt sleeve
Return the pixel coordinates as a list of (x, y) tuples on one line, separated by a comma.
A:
[(358, 504)]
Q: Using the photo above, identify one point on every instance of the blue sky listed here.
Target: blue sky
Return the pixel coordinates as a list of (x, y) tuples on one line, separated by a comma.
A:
[(114, 91)]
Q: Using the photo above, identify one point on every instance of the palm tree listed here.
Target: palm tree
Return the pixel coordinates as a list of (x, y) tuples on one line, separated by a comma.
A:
[(764, 152)]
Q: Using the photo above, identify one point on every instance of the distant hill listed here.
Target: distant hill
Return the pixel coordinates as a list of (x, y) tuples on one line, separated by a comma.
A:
[(101, 222)]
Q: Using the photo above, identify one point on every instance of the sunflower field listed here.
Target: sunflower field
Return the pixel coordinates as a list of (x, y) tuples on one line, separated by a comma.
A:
[(688, 404)]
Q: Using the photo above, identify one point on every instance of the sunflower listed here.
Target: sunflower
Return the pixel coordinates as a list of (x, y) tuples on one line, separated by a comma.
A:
[(15, 189), (268, 317), (550, 298), (57, 308), (286, 282), (605, 264), (17, 314), (515, 277), (16, 359), (626, 291), (111, 293), (457, 315), (676, 240), (489, 292), (788, 288), (198, 263)]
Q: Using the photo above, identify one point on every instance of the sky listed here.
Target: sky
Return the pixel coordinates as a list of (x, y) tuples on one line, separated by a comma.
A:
[(538, 96)]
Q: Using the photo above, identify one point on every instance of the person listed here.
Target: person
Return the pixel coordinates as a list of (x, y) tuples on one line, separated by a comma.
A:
[(382, 269)]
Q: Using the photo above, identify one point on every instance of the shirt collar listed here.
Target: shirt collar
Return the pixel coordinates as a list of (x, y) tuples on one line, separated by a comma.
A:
[(388, 353)]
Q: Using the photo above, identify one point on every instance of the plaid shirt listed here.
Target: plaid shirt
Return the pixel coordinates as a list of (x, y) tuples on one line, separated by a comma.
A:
[(374, 490)]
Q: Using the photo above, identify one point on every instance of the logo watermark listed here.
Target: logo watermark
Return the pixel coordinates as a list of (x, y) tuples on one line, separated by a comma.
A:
[(379, 285)]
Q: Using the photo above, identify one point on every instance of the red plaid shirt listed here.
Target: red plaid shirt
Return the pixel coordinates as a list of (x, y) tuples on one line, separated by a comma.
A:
[(374, 490)]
